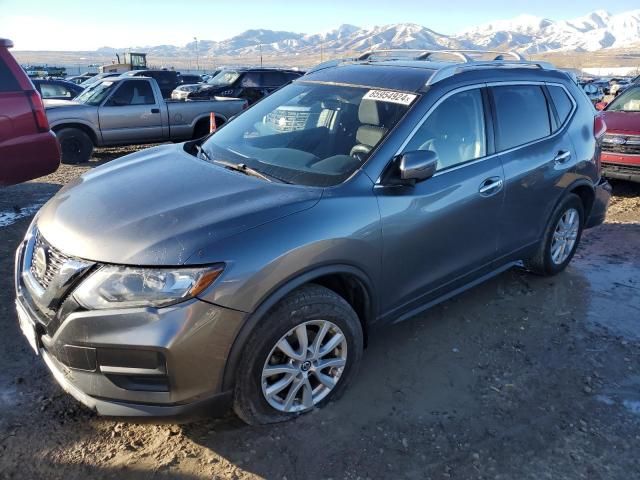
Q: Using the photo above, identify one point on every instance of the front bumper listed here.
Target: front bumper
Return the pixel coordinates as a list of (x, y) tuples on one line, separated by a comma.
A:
[(621, 167), (600, 204), (137, 362)]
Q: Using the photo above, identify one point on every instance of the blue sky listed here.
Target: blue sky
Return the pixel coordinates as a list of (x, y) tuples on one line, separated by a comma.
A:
[(86, 25)]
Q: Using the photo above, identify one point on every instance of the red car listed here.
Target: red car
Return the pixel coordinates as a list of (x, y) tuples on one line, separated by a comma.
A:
[(28, 148), (621, 143)]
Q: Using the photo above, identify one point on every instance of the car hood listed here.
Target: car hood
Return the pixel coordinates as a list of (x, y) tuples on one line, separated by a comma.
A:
[(160, 207), (622, 121)]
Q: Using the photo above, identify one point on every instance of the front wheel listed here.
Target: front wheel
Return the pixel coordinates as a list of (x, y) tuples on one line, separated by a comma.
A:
[(75, 144), (303, 353), (561, 238)]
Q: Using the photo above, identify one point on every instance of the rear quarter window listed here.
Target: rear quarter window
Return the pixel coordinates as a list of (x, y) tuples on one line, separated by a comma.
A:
[(522, 115), (8, 81), (562, 102)]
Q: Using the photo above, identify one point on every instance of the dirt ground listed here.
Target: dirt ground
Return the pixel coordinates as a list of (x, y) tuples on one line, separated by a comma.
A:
[(520, 378)]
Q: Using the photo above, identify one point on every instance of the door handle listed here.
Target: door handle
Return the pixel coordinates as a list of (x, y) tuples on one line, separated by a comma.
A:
[(490, 186), (155, 110), (563, 156)]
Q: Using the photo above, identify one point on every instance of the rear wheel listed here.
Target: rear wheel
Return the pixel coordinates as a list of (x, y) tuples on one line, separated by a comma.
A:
[(561, 238), (303, 353), (75, 144)]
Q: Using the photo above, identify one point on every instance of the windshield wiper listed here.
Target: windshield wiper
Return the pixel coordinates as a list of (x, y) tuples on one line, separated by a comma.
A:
[(238, 167), (244, 168)]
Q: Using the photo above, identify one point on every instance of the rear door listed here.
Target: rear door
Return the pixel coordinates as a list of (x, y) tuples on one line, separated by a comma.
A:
[(443, 232), (28, 149), (131, 114), (537, 155)]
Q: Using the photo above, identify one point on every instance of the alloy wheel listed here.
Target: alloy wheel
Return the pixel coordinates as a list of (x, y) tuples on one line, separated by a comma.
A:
[(304, 366), (564, 236)]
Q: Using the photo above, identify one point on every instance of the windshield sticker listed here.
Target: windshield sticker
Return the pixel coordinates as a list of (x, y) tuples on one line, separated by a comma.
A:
[(389, 96)]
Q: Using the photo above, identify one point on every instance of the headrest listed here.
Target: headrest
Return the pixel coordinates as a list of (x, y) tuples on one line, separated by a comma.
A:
[(368, 112)]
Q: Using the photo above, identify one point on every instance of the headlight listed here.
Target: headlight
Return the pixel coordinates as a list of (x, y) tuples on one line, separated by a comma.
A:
[(124, 287), (188, 88)]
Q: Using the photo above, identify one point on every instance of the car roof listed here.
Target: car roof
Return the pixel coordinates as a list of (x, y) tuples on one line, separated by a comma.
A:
[(418, 75)]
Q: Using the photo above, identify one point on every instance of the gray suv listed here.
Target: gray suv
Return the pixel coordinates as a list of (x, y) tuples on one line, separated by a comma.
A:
[(248, 268)]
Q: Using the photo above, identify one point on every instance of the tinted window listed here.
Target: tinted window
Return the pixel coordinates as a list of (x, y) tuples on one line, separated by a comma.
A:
[(522, 115), (561, 101), (133, 93), (274, 79), (251, 79), (455, 130), (8, 83)]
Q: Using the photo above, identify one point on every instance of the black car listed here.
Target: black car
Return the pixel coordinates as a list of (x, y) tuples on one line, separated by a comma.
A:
[(167, 80), (51, 89), (251, 84)]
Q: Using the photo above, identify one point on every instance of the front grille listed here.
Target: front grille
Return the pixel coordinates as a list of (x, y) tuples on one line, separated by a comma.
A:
[(624, 144), (621, 168), (55, 260)]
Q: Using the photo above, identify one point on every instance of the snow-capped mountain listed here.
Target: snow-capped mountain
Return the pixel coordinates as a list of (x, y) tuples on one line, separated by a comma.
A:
[(531, 34), (526, 34)]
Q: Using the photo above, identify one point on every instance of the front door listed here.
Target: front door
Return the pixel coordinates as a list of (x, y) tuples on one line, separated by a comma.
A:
[(131, 115), (442, 231)]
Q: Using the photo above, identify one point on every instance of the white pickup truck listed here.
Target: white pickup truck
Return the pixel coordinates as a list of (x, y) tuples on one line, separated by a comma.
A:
[(130, 110)]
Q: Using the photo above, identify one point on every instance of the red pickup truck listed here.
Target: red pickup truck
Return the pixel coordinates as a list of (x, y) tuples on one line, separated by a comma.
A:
[(621, 143), (28, 148)]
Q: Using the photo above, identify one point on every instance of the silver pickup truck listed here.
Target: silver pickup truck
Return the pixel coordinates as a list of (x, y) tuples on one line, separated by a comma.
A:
[(126, 111)]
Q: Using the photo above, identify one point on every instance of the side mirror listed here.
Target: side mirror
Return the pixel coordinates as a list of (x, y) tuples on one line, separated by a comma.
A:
[(418, 165), (601, 105)]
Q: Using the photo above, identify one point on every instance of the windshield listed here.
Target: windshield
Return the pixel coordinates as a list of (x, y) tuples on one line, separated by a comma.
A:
[(628, 101), (96, 94), (96, 78), (310, 134), (224, 78)]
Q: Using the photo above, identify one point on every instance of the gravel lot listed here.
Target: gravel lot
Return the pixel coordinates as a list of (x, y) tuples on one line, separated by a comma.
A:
[(522, 377)]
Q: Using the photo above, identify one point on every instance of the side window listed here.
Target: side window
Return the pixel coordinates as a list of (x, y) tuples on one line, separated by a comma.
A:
[(455, 130), (8, 82), (251, 79), (273, 79), (48, 90), (132, 93), (562, 103), (522, 115)]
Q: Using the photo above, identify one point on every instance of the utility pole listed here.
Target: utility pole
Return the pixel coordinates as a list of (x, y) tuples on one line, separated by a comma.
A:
[(260, 47), (197, 54)]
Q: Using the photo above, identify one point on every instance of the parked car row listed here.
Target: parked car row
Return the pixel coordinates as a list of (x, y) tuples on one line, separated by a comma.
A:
[(251, 84), (127, 110)]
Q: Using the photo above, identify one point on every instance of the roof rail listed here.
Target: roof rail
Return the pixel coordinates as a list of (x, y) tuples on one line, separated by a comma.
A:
[(424, 54), (467, 59), (451, 70), (418, 54)]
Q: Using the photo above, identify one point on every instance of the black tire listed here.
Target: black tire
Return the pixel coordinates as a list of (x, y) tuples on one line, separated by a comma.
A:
[(542, 262), (75, 144), (310, 302)]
